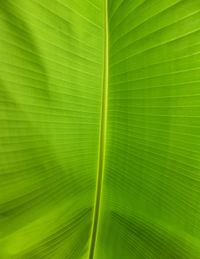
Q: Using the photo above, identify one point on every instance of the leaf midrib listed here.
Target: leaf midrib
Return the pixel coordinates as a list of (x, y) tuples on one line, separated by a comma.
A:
[(102, 139)]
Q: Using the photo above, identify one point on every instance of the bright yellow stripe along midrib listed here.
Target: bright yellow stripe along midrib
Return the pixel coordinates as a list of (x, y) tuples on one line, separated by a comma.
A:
[(102, 139)]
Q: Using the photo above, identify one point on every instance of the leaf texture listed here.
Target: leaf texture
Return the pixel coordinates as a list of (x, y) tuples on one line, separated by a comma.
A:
[(51, 67), (99, 135)]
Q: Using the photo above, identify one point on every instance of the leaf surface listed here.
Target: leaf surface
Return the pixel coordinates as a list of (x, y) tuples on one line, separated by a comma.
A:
[(99, 135)]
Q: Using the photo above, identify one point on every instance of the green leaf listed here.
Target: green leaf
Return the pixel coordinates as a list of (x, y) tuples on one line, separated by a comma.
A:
[(99, 135)]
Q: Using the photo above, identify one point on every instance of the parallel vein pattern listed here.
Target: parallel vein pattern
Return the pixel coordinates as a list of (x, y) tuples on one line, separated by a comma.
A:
[(51, 56), (96, 172), (151, 199)]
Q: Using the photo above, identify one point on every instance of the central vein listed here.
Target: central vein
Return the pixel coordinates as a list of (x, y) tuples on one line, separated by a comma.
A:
[(102, 139)]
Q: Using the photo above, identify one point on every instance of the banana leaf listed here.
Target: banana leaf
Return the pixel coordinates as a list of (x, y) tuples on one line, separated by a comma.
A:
[(99, 129)]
